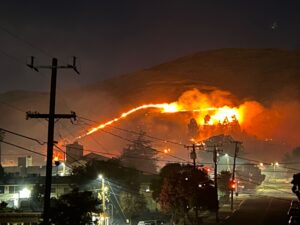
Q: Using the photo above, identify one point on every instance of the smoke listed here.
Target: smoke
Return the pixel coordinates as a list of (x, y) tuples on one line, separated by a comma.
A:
[(264, 128), (279, 120), (195, 99)]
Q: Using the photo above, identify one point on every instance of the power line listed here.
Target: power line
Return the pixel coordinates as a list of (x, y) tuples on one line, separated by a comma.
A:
[(165, 141), (23, 148), (12, 106), (19, 38), (135, 132), (132, 141), (24, 136)]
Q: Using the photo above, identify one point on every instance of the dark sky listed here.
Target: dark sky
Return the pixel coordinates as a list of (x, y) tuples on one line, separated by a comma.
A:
[(116, 37)]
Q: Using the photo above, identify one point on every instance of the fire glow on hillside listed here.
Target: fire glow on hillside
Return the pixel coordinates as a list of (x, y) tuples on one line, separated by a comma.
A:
[(208, 109)]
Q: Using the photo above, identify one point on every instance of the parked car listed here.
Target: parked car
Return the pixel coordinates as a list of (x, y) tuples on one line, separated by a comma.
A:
[(151, 222)]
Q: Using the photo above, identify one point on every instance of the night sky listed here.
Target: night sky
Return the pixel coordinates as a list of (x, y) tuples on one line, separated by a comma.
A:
[(111, 38)]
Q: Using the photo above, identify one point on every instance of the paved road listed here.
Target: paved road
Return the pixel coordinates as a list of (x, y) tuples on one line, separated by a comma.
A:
[(261, 211)]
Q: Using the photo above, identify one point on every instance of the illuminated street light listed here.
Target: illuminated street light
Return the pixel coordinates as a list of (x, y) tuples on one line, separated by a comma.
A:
[(276, 164), (104, 218), (261, 164)]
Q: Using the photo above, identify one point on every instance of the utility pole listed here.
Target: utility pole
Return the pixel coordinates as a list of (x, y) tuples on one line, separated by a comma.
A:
[(51, 116), (193, 156), (215, 159), (1, 139), (236, 150)]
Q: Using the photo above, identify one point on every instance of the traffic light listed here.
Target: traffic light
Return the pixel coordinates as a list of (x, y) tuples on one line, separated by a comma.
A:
[(232, 184)]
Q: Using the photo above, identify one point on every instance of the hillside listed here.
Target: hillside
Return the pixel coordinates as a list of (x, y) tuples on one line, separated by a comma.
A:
[(260, 74)]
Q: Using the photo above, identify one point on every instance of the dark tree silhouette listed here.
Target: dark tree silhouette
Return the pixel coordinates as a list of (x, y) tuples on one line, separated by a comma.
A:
[(133, 205), (37, 196), (193, 128), (223, 184), (74, 208), (140, 155), (2, 174), (296, 185), (180, 189), (111, 169), (294, 156), (250, 175)]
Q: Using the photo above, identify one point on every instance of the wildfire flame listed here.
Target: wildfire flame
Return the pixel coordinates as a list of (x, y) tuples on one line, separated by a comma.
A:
[(207, 113)]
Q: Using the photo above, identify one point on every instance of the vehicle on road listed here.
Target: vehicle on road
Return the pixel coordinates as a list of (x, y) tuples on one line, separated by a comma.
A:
[(151, 222)]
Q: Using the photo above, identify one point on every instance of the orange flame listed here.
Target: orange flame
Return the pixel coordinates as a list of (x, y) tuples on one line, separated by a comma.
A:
[(214, 106)]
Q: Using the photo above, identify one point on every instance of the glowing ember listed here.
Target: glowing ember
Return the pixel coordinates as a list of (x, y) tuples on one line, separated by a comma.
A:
[(167, 150)]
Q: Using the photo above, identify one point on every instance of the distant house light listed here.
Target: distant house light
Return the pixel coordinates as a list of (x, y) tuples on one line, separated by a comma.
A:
[(25, 193)]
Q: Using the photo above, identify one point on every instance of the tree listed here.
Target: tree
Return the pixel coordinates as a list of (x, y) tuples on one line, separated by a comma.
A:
[(181, 189), (111, 169), (2, 174), (140, 155), (3, 207), (223, 184), (193, 128), (294, 156), (37, 196), (132, 205), (250, 175), (296, 185), (74, 208)]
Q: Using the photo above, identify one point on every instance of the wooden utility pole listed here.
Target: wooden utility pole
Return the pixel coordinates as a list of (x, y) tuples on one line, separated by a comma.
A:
[(51, 116), (215, 159), (193, 156), (236, 150), (1, 139)]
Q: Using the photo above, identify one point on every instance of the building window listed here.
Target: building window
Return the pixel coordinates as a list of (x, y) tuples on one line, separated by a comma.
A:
[(11, 189), (18, 189), (2, 189), (66, 190)]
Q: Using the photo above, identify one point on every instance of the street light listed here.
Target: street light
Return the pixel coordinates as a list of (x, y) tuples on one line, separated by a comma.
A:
[(104, 219)]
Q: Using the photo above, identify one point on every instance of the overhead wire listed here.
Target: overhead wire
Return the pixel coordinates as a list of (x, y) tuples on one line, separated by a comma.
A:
[(135, 132), (24, 136), (132, 141), (23, 148)]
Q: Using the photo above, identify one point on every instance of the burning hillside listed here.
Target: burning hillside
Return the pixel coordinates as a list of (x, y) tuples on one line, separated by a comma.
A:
[(271, 77), (214, 109)]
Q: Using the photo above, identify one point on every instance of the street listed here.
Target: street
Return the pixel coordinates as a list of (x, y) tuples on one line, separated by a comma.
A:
[(261, 211)]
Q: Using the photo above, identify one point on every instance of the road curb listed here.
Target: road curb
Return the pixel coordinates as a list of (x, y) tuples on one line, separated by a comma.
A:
[(233, 212)]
